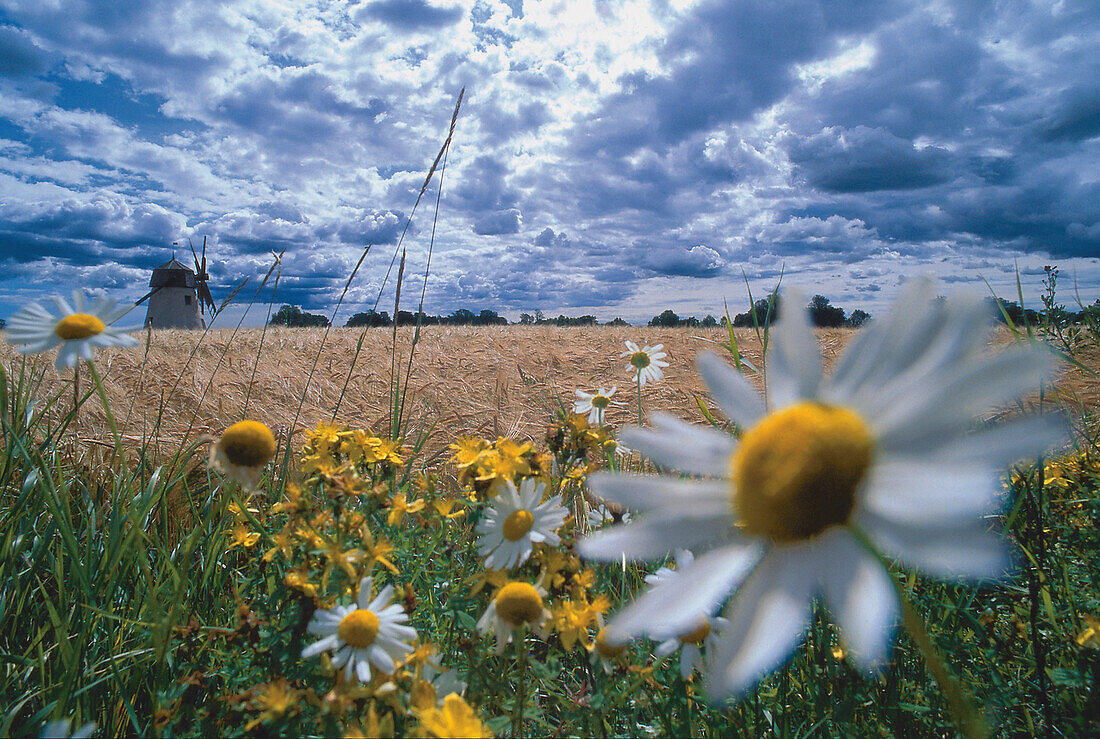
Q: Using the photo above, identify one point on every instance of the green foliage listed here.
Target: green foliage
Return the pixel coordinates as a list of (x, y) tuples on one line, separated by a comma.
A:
[(295, 317)]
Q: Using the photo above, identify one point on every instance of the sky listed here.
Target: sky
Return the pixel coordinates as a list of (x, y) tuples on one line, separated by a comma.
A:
[(610, 158)]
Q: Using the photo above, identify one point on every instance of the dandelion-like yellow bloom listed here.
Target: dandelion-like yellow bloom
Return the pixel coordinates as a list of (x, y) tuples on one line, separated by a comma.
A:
[(455, 721), (242, 452)]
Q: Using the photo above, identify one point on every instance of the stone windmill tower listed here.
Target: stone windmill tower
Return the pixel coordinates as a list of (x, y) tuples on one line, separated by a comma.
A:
[(178, 297)]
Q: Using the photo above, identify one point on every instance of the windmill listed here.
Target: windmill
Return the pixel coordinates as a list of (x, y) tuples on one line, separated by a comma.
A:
[(179, 296)]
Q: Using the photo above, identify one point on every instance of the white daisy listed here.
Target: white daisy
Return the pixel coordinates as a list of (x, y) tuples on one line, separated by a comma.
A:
[(77, 327), (645, 363), (516, 521), (691, 644), (516, 605), (594, 404), (880, 455), (242, 452), (373, 633)]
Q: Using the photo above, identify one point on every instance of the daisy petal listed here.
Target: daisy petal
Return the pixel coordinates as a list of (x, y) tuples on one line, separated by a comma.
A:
[(861, 595), (646, 492), (922, 494), (323, 645), (795, 364), (968, 551), (768, 618), (735, 395), (649, 539), (673, 607), (362, 671)]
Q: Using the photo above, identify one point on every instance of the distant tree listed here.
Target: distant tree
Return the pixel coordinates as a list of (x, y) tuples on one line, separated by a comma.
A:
[(824, 314), (369, 318), (709, 322), (539, 316), (666, 318), (617, 322), (526, 319), (293, 316), (462, 317), (1016, 313), (766, 311), (857, 318), (490, 318)]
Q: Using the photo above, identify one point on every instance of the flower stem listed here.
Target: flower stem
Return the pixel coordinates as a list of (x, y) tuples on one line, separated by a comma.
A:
[(961, 704), (639, 384), (521, 664)]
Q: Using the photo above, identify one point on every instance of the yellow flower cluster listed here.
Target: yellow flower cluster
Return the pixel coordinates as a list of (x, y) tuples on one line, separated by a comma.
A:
[(574, 439), (481, 463), (333, 451)]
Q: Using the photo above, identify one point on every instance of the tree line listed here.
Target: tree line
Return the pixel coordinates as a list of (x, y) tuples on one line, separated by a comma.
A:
[(763, 312)]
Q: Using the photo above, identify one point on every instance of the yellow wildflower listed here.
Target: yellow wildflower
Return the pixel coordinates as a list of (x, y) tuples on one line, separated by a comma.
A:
[(284, 544), (276, 699), (1090, 635), (298, 578), (493, 578), (293, 504), (445, 507), (243, 537), (335, 556), (456, 719), (467, 451), (388, 450), (400, 507), (376, 551)]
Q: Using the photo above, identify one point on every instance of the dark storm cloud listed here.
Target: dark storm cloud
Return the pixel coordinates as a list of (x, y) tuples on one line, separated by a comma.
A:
[(105, 221), (866, 159), (411, 14), (501, 222), (1075, 118), (19, 55), (696, 261)]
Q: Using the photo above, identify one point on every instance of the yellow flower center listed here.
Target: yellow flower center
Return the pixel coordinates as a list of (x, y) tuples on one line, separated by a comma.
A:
[(606, 649), (358, 629), (796, 472), (600, 401), (697, 635), (78, 326), (639, 359), (517, 525), (248, 444), (518, 603)]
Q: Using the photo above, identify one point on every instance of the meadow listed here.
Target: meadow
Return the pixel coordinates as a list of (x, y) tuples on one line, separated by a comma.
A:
[(146, 593)]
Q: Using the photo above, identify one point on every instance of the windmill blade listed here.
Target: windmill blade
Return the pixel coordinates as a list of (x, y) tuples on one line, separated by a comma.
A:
[(146, 296), (196, 256), (205, 298), (204, 275)]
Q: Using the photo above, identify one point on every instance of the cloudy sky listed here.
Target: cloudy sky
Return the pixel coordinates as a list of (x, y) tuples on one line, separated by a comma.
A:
[(615, 158)]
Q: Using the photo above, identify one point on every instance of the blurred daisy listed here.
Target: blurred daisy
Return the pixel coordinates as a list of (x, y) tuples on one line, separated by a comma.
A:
[(63, 729), (880, 457), (516, 521), (242, 452), (373, 633), (516, 605), (455, 719), (601, 515), (594, 404), (645, 363), (606, 651), (77, 327), (691, 644)]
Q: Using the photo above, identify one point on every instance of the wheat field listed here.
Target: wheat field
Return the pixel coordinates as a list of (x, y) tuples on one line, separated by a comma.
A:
[(465, 380)]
